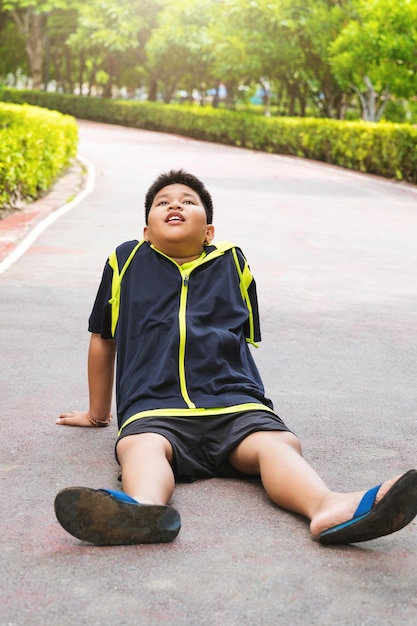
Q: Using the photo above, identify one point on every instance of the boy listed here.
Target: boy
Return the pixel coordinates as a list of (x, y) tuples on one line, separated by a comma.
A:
[(190, 402)]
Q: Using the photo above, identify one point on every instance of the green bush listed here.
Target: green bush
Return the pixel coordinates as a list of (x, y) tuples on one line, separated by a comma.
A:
[(36, 146), (385, 149)]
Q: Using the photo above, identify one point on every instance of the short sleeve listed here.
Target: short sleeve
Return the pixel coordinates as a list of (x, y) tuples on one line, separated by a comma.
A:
[(253, 299), (100, 319), (255, 311)]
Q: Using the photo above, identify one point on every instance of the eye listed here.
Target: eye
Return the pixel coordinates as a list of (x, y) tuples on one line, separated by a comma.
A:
[(162, 203), (189, 202)]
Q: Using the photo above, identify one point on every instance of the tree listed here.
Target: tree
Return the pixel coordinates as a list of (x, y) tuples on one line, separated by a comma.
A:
[(179, 48), (59, 61), (31, 18), (105, 31), (244, 49), (12, 47), (110, 38), (313, 55), (376, 53), (284, 43), (312, 27)]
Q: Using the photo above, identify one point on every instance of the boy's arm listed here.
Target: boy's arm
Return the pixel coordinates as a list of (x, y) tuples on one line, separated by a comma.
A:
[(101, 355)]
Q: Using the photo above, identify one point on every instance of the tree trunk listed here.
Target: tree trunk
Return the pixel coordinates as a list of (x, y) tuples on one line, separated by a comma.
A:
[(303, 104), (230, 100), (153, 89), (81, 69), (371, 112), (69, 80), (292, 98), (216, 97), (266, 97), (91, 79), (108, 88), (57, 72), (110, 66), (32, 26), (171, 87)]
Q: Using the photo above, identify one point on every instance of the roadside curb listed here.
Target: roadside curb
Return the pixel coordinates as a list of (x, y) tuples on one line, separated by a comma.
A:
[(19, 230)]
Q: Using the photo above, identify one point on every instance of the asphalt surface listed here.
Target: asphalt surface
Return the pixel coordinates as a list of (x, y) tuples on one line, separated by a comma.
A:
[(334, 254)]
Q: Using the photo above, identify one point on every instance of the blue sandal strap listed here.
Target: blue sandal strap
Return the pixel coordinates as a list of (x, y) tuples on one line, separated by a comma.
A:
[(367, 502), (119, 495)]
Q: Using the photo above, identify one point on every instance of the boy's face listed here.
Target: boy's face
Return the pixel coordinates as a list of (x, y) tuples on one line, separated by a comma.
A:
[(177, 222)]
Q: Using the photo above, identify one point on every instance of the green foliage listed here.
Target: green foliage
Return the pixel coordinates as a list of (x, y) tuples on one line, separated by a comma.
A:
[(378, 46), (385, 149), (179, 48), (106, 25), (326, 58), (36, 146)]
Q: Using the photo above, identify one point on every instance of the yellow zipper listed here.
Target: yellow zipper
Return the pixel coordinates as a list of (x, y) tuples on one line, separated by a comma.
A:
[(183, 337)]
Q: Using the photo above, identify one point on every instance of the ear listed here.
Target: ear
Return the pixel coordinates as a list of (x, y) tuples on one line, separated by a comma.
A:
[(209, 233), (145, 233)]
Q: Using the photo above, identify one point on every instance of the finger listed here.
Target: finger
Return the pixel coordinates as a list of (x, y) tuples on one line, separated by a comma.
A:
[(61, 420), (73, 419), (67, 421), (68, 414)]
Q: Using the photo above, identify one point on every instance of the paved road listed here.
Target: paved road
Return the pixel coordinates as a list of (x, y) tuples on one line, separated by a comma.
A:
[(334, 254)]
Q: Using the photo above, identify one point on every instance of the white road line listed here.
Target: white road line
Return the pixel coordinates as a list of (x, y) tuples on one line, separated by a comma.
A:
[(51, 218)]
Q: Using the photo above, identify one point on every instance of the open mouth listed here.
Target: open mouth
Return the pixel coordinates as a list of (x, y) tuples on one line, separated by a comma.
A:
[(175, 217)]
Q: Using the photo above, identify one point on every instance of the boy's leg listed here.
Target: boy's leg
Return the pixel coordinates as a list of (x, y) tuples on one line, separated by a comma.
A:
[(147, 474), (293, 484), (286, 476)]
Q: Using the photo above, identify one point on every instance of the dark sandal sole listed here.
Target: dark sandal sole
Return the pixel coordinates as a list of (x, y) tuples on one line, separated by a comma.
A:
[(99, 518)]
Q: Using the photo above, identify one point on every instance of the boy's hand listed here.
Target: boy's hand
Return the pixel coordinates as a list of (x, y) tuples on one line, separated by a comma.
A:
[(74, 418)]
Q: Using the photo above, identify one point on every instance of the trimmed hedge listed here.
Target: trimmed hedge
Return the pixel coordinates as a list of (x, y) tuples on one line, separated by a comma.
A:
[(385, 149), (36, 146)]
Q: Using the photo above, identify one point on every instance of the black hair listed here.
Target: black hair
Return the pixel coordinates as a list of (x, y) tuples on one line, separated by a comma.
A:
[(181, 177)]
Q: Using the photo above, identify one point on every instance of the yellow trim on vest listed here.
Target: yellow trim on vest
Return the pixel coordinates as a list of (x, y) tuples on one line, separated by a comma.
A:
[(116, 282), (245, 279), (194, 412)]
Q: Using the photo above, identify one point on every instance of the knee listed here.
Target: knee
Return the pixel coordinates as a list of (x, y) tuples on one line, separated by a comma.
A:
[(293, 441), (143, 445), (297, 446)]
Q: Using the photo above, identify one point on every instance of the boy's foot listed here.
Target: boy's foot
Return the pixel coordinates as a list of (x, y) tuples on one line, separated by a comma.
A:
[(110, 518), (376, 517)]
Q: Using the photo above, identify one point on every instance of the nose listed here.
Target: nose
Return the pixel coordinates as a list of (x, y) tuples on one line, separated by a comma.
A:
[(175, 205)]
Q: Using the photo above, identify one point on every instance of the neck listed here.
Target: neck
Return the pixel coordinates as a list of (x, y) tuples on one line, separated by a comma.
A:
[(180, 256), (185, 259)]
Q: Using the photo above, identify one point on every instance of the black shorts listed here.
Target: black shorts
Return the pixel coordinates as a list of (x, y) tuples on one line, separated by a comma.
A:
[(201, 446)]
